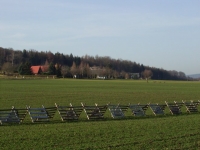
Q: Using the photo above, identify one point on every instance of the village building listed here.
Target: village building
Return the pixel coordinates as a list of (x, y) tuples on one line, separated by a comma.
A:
[(97, 72), (39, 69), (134, 75)]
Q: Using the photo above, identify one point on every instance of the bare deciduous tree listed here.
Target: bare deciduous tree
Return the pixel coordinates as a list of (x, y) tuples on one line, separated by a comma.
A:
[(88, 71), (82, 68), (8, 67), (126, 76), (65, 70), (147, 74), (115, 74), (73, 69), (122, 74)]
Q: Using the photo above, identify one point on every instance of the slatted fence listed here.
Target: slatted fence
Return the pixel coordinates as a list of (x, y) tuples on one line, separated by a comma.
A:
[(93, 112)]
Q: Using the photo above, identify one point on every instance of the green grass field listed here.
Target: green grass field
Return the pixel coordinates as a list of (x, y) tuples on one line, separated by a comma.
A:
[(165, 132)]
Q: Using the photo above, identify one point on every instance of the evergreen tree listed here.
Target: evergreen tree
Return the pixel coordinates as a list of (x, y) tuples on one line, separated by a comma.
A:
[(58, 70), (52, 69), (25, 69)]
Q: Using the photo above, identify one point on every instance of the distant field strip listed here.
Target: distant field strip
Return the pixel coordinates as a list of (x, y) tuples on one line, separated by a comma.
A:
[(37, 92)]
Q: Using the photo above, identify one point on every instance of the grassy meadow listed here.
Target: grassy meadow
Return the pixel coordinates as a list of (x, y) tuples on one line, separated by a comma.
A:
[(150, 132)]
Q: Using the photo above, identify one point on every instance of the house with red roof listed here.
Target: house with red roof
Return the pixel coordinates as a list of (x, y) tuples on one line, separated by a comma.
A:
[(45, 68), (36, 70), (39, 69)]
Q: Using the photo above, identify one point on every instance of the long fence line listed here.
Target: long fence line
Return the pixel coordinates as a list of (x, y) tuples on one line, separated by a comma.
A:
[(43, 114)]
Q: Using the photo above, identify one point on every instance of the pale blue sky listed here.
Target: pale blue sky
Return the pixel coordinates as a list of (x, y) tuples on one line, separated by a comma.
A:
[(159, 33)]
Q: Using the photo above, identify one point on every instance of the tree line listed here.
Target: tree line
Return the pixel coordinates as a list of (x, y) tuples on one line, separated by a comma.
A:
[(67, 65)]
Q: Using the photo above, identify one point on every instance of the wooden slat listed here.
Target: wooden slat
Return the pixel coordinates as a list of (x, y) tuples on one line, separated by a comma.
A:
[(38, 114), (94, 112), (39, 117), (21, 113), (138, 109), (191, 107), (157, 109), (37, 109), (116, 111), (174, 107), (9, 116), (51, 111), (69, 112)]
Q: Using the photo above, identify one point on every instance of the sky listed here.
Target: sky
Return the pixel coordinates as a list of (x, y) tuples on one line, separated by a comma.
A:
[(156, 33)]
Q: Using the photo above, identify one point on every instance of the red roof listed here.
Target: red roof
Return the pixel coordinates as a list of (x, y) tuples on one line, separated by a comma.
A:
[(44, 68), (35, 69)]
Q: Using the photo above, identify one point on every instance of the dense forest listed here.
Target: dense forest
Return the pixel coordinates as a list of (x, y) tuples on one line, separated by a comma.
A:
[(16, 61)]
